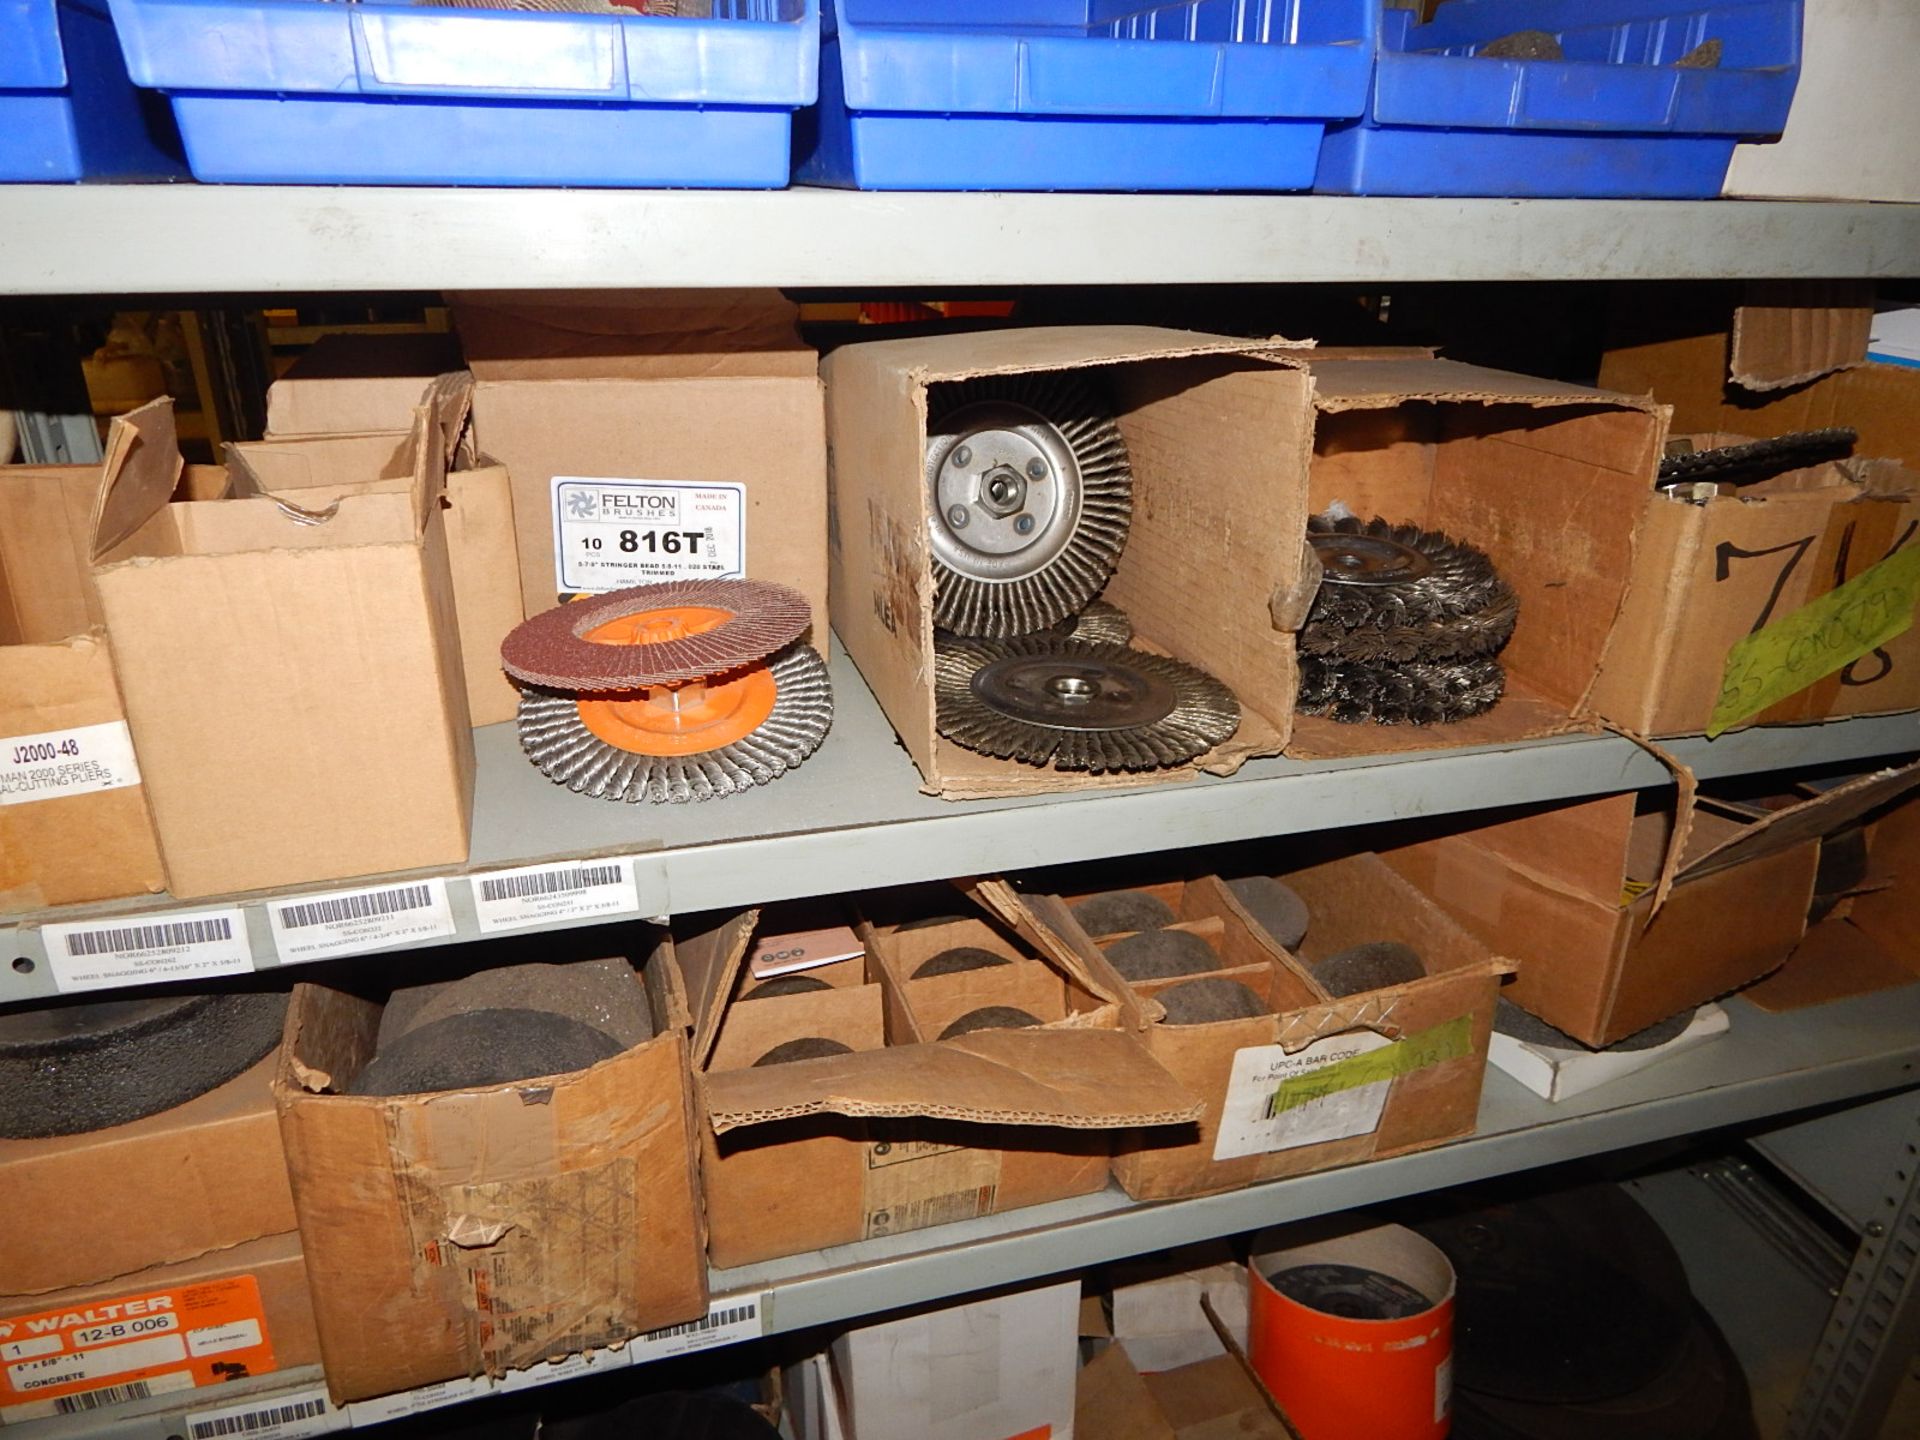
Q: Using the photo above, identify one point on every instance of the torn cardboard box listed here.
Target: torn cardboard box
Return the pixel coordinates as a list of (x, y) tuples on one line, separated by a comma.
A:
[(482, 1231), (907, 1131), (351, 384), (1548, 479), (292, 679), (74, 819), (651, 436), (1214, 567), (1568, 891)]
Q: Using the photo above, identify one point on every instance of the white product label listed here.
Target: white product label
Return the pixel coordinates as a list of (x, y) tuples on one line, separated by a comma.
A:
[(27, 1349), (570, 1367), (349, 922), (284, 1417), (608, 534), (218, 1339), (1442, 1389), (415, 1402), (57, 763), (95, 1364), (1276, 1101), (135, 949), (729, 1318), (542, 894)]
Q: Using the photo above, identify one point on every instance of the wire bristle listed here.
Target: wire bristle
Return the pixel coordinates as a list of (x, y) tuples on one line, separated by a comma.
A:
[(1354, 692), (556, 740), (1459, 608)]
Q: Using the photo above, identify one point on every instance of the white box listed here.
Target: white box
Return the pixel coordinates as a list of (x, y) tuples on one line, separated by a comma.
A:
[(1556, 1074), (993, 1369), (1156, 1306)]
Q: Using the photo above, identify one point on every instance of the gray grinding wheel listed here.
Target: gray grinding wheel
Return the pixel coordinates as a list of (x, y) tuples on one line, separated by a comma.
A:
[(1275, 908), (959, 958), (605, 994), (1202, 1002), (477, 1048), (991, 1017), (67, 1068), (786, 985), (1122, 910), (1372, 966), (807, 1047), (1509, 1019), (1161, 955)]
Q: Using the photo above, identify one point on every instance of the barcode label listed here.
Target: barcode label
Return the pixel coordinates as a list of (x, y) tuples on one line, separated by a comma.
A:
[(306, 1412), (131, 949), (729, 1318), (105, 1395), (418, 1401), (350, 922), (543, 894)]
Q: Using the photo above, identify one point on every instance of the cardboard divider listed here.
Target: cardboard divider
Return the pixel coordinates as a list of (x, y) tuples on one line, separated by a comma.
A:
[(853, 1015), (481, 1231)]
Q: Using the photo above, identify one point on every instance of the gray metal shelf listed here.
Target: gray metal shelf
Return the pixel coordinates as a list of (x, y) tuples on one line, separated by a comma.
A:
[(854, 818), (155, 239), (1766, 1065)]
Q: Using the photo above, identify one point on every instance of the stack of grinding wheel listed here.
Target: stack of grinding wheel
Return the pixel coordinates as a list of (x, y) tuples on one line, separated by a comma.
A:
[(1406, 627), (1030, 495), (77, 1066), (673, 692)]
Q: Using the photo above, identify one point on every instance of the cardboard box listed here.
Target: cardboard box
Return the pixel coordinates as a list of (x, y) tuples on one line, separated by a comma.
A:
[(998, 1368), (1706, 575), (1410, 1058), (1853, 108), (226, 1315), (74, 822), (477, 511), (913, 1132), (1569, 890), (482, 1231), (1549, 479), (1207, 1400), (358, 384), (1213, 572), (294, 689), (687, 411), (1156, 1306), (203, 1176)]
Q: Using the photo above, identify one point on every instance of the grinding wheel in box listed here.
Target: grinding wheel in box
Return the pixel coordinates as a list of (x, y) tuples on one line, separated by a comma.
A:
[(673, 692), (71, 1067), (1029, 494), (1078, 704)]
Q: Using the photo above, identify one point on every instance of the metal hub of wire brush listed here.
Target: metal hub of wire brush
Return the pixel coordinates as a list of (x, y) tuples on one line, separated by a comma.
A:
[(1347, 558), (1078, 704), (1030, 496), (667, 693)]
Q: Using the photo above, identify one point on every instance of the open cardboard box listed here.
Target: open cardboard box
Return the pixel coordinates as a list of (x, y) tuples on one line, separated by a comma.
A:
[(915, 1131), (1548, 479), (355, 384), (1364, 1076), (688, 410), (293, 682), (1706, 575), (1214, 572), (1569, 890), (74, 825), (481, 1231), (313, 470)]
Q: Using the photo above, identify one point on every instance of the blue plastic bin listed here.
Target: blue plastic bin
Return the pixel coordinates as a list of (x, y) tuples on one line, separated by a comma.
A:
[(1615, 118), (1083, 94), (287, 91), (67, 109)]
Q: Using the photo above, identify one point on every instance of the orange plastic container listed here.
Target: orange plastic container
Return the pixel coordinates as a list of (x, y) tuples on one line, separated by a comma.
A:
[(1346, 1379)]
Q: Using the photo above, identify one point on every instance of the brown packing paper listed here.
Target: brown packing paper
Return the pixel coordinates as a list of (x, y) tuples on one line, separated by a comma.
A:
[(1200, 576)]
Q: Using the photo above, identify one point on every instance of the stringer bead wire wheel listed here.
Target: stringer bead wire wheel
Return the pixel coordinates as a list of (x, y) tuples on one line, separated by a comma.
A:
[(666, 693)]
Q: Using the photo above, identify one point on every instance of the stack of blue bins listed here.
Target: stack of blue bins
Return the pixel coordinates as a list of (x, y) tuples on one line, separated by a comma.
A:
[(1084, 94), (1617, 117), (67, 109), (285, 91)]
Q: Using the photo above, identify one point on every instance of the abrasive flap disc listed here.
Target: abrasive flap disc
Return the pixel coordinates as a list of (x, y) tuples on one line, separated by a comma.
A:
[(1405, 626), (1029, 496), (1077, 704), (672, 692)]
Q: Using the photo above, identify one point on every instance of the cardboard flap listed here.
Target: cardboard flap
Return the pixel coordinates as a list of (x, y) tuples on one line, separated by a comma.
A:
[(950, 356), (1290, 604), (709, 963), (1112, 1402), (1045, 923), (1784, 829), (138, 475), (1074, 1079), (1382, 384), (631, 335), (1791, 331)]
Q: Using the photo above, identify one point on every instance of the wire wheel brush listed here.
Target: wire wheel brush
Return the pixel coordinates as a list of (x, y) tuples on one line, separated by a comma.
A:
[(1078, 704), (1030, 495), (1099, 621), (1399, 693), (673, 692)]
